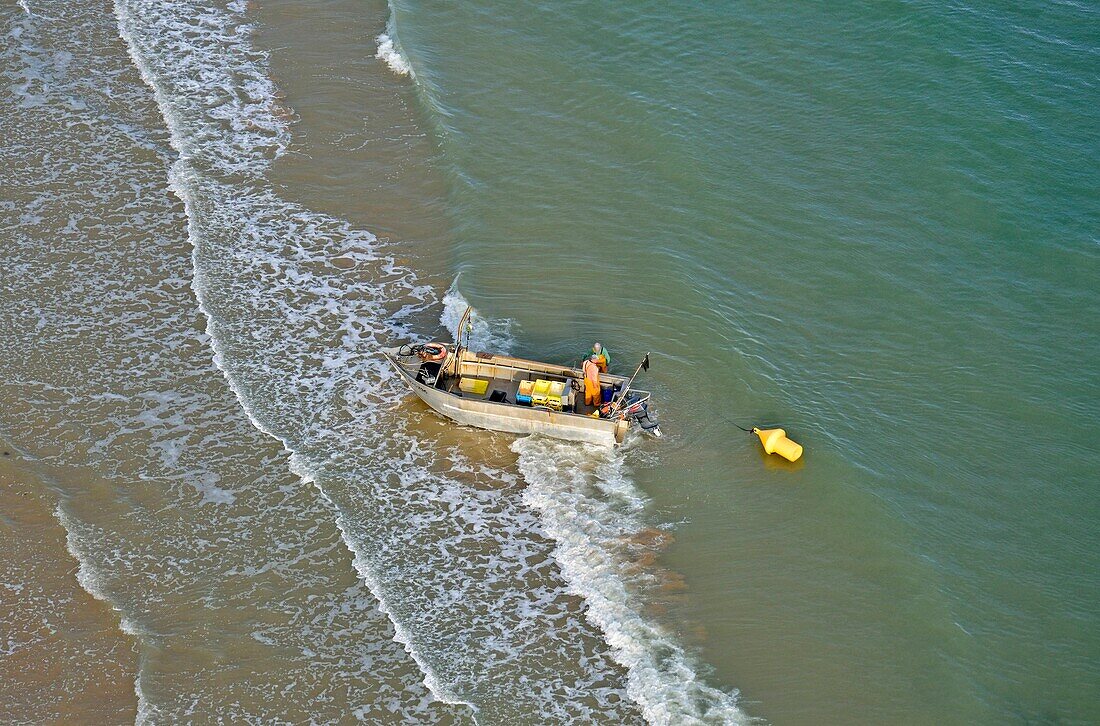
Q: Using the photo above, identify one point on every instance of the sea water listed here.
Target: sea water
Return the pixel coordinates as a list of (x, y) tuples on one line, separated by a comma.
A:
[(872, 225)]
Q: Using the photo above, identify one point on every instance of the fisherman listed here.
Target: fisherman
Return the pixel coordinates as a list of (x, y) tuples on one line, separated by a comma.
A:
[(592, 382), (603, 357)]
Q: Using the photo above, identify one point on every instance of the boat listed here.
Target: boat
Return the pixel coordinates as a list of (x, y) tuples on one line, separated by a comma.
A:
[(514, 395)]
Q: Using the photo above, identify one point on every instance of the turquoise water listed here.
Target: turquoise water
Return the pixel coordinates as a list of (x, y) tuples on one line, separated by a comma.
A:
[(875, 224)]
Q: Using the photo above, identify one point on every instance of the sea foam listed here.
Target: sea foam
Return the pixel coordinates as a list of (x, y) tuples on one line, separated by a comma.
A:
[(451, 554), (389, 49), (179, 511), (388, 52), (589, 506), (256, 135)]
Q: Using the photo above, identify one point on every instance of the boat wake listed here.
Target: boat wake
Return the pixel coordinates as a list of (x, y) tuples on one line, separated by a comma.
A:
[(589, 506), (597, 517), (511, 609)]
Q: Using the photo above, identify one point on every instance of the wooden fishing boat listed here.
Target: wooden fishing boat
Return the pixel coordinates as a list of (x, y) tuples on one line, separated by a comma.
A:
[(514, 395)]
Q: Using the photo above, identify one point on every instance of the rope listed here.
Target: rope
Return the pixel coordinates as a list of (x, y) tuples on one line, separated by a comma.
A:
[(748, 430)]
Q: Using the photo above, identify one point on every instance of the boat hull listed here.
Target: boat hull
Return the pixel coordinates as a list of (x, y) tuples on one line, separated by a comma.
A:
[(516, 419)]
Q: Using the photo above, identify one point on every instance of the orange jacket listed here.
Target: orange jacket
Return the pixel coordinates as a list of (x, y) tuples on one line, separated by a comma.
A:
[(591, 373)]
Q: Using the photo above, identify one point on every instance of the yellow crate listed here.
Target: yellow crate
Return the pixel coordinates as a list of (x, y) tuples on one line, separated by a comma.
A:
[(476, 386), (555, 398), (540, 392), (548, 393)]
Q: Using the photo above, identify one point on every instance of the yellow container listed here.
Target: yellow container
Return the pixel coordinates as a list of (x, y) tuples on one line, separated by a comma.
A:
[(525, 388), (476, 386), (540, 392), (555, 397), (548, 393), (776, 442)]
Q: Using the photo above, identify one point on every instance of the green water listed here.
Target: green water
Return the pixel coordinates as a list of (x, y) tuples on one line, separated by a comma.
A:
[(875, 224)]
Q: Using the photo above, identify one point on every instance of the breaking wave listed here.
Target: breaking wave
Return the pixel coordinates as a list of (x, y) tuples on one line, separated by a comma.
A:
[(388, 52), (389, 49), (298, 304), (482, 578), (180, 513), (182, 68), (589, 506)]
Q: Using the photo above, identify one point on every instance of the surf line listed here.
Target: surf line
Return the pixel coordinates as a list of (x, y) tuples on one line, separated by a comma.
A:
[(89, 581), (177, 176)]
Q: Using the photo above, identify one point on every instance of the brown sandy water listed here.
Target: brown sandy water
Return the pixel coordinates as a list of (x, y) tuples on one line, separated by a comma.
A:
[(191, 293), (363, 150), (228, 572), (64, 658)]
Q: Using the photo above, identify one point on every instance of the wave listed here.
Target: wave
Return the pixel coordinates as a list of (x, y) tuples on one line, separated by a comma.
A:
[(588, 505), (89, 579), (389, 48), (293, 332), (241, 128), (421, 538), (389, 52), (181, 513), (443, 539), (258, 135), (590, 508)]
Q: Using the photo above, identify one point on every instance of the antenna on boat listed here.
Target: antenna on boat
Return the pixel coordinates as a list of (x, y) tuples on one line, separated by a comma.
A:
[(465, 325), (643, 366)]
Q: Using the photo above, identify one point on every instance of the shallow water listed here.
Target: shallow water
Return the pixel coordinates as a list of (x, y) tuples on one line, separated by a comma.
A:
[(62, 656), (227, 571), (872, 225)]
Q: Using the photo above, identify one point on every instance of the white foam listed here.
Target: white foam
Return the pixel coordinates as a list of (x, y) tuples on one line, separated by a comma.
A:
[(147, 390), (446, 562), (589, 507), (489, 334), (90, 581), (388, 52), (300, 374), (389, 49), (589, 513), (184, 181), (237, 152), (236, 128), (401, 634)]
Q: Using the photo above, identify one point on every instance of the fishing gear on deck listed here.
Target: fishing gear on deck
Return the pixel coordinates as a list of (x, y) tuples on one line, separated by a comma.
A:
[(632, 405)]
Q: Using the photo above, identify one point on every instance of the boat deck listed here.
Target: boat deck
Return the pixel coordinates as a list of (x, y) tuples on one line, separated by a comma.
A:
[(505, 390), (439, 384)]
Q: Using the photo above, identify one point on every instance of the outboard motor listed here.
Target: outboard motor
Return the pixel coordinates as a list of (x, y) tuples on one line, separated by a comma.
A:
[(636, 409)]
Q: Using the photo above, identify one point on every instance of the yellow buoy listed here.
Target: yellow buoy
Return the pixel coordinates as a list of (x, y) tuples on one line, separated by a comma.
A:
[(776, 442)]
